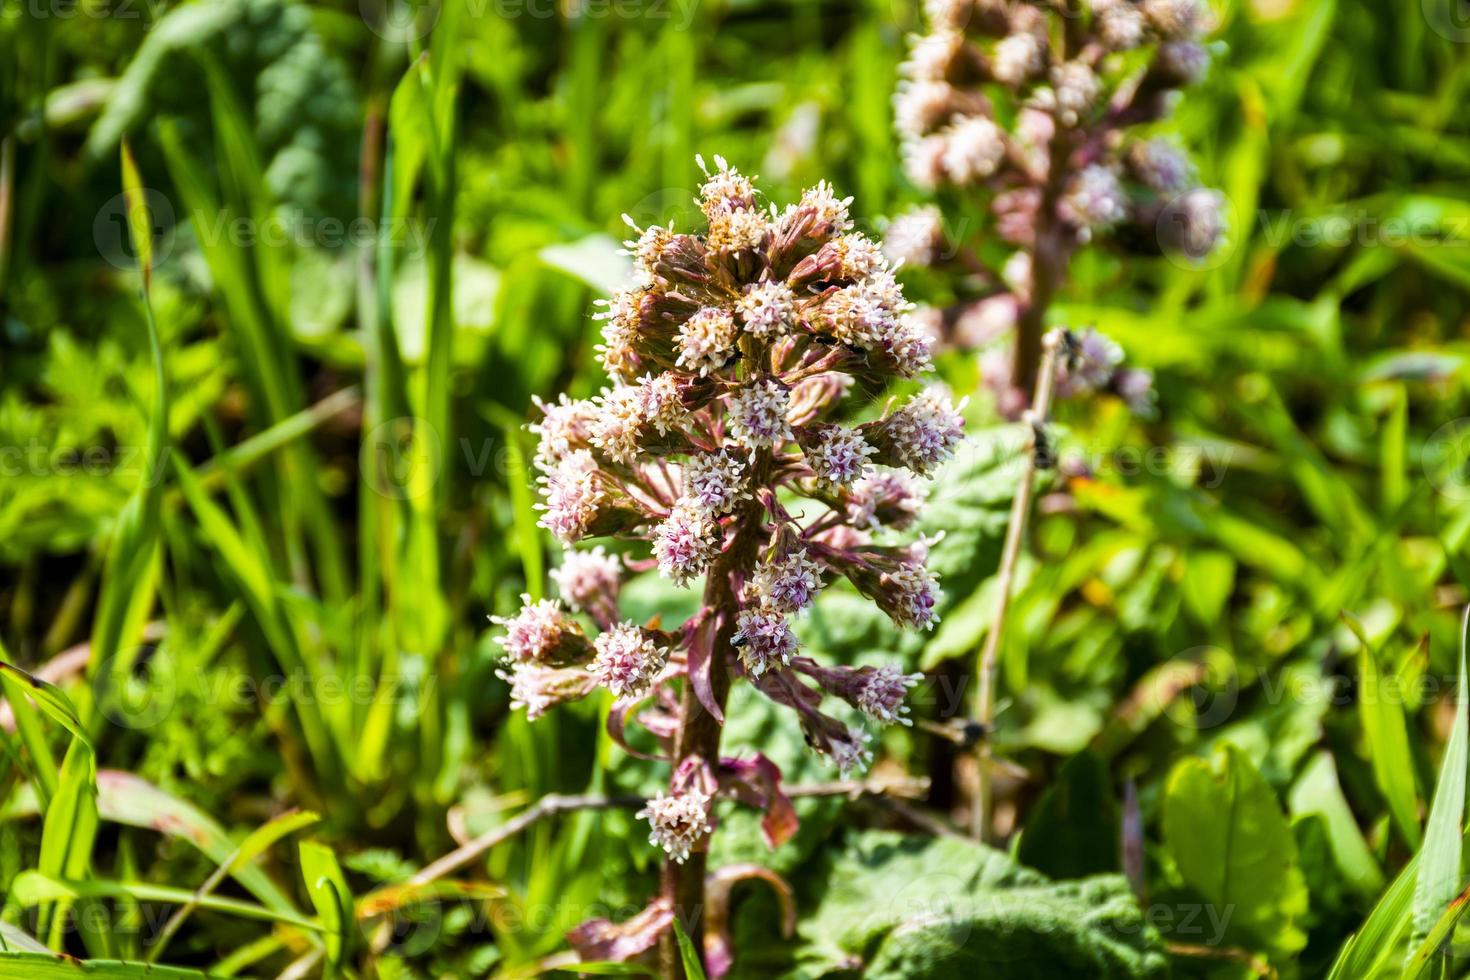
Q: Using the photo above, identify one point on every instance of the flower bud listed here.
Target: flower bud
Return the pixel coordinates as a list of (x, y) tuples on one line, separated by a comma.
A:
[(542, 633)]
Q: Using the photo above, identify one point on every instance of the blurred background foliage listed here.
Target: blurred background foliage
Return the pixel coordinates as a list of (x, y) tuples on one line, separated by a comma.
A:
[(369, 215)]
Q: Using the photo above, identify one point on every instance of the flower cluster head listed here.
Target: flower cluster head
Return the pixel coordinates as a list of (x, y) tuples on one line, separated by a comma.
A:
[(739, 444), (1044, 116)]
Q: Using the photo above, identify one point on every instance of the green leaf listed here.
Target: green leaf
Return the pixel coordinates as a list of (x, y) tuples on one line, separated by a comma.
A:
[(33, 888), (894, 906), (596, 260), (1074, 831), (1387, 735), (16, 939), (1439, 861), (1318, 792), (1433, 942), (1232, 844), (140, 222), (44, 966), (331, 898), (1367, 949), (693, 968)]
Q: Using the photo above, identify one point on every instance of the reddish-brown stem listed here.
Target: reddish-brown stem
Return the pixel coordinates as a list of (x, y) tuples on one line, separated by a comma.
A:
[(699, 731)]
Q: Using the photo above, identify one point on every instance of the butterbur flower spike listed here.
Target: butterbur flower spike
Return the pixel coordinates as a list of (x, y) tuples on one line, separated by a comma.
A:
[(1042, 114), (739, 357)]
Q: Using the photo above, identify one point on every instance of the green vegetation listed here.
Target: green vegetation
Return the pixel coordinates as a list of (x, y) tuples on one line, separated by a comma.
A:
[(279, 281)]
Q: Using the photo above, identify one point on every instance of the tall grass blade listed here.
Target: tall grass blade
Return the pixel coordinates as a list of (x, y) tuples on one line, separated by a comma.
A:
[(1439, 864)]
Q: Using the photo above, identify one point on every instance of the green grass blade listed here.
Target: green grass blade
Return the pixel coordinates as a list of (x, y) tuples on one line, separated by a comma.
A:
[(1439, 865), (1368, 948), (1423, 955), (1387, 735), (39, 966), (327, 887), (33, 887), (693, 967), (128, 579)]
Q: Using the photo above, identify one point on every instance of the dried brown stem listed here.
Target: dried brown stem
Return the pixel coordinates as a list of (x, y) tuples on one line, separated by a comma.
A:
[(1010, 554)]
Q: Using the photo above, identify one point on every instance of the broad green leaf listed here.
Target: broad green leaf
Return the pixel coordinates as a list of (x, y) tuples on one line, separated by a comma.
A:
[(931, 908), (1318, 792), (1232, 844), (1074, 830), (596, 260)]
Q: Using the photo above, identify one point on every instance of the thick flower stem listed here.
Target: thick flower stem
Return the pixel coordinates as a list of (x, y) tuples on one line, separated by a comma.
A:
[(683, 884), (699, 731)]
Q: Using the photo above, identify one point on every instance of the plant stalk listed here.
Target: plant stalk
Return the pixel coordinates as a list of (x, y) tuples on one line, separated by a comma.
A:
[(1010, 555), (699, 730)]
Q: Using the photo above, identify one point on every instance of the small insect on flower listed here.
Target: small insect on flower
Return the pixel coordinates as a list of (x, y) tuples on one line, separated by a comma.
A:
[(764, 640), (1095, 358), (677, 822)]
